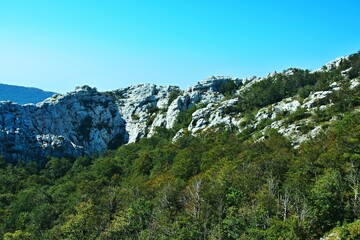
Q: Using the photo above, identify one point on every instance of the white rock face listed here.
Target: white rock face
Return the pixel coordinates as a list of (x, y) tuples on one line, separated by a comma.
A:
[(213, 115), (288, 105), (141, 102), (82, 122), (204, 93), (314, 98), (284, 107), (181, 103), (332, 64), (354, 83), (159, 121)]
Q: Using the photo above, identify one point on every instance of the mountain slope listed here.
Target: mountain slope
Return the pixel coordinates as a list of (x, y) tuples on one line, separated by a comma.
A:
[(297, 103), (22, 95), (264, 158)]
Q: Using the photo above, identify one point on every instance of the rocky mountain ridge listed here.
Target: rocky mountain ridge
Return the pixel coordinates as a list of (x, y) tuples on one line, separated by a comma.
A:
[(85, 121)]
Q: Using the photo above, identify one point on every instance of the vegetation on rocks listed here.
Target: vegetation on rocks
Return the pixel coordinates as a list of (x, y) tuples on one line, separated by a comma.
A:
[(218, 185)]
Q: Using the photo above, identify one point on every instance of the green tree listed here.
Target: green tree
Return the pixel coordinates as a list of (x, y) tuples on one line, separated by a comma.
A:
[(327, 200)]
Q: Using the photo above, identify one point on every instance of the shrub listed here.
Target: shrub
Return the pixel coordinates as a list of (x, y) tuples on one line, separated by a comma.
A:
[(228, 88), (173, 95)]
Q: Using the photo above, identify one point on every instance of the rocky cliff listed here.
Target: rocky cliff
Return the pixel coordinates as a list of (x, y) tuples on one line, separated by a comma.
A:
[(86, 121), (81, 122)]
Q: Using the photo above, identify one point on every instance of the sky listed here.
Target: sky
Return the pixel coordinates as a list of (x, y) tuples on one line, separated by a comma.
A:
[(109, 44)]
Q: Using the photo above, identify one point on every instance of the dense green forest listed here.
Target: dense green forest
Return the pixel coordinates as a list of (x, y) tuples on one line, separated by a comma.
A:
[(221, 184)]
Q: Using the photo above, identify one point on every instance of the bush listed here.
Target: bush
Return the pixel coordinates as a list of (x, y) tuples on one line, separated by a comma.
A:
[(135, 117), (184, 118), (228, 88), (173, 95), (153, 109), (299, 114)]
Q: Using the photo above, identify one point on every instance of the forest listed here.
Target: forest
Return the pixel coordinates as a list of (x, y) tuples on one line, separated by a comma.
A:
[(220, 184)]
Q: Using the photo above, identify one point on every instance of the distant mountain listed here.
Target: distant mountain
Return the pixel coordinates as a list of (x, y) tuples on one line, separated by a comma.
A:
[(22, 95)]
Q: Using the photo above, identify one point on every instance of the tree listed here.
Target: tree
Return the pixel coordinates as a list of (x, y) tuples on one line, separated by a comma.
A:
[(18, 235), (327, 203)]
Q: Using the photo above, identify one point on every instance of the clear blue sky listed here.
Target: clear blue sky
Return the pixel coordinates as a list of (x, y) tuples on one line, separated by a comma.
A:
[(59, 44)]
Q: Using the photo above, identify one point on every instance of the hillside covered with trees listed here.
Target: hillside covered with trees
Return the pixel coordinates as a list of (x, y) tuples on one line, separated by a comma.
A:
[(220, 183)]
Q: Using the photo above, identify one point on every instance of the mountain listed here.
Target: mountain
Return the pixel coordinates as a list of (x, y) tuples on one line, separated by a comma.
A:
[(85, 121), (276, 157), (22, 95)]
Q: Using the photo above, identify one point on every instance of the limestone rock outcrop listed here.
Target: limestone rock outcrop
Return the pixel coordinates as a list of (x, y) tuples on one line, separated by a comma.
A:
[(81, 122), (85, 121)]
